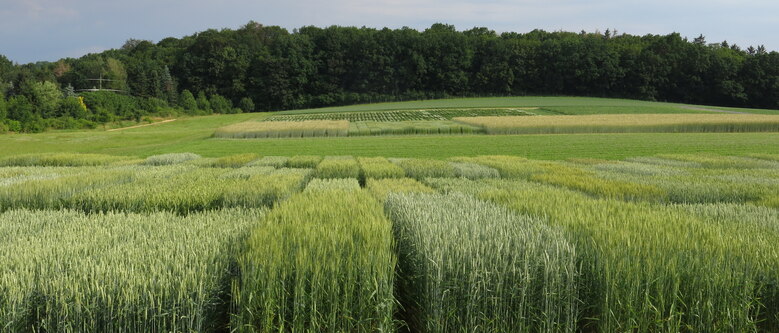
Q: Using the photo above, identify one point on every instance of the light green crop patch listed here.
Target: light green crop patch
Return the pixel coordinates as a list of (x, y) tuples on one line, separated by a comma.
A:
[(322, 260)]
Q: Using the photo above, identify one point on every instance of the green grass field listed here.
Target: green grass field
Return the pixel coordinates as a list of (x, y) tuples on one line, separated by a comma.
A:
[(575, 105), (166, 228), (195, 135)]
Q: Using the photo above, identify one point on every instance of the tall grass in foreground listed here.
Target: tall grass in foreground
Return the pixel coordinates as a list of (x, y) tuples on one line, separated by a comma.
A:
[(322, 261), (64, 271), (466, 265), (653, 268), (283, 129), (623, 123)]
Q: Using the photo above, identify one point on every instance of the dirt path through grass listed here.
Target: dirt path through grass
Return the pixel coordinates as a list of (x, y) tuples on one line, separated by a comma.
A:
[(144, 125)]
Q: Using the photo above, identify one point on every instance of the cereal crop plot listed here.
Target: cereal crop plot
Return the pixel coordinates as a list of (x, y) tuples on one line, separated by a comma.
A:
[(381, 188), (379, 167), (61, 159), (234, 161), (185, 190), (54, 188), (467, 265), (65, 271), (406, 115), (338, 167), (474, 171), (320, 261), (646, 262), (343, 184), (304, 161), (283, 129), (271, 161), (411, 127), (168, 159), (626, 123), (666, 243), (263, 190), (422, 168)]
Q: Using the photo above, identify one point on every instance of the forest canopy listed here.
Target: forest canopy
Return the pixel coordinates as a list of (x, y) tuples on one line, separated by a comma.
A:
[(263, 68)]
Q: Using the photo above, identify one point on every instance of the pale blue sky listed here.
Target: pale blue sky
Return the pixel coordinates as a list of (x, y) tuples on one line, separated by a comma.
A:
[(36, 30)]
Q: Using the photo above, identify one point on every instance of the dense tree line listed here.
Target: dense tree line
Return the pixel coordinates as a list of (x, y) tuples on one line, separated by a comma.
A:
[(260, 68)]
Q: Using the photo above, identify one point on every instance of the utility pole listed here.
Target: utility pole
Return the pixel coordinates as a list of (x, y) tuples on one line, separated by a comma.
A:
[(100, 85)]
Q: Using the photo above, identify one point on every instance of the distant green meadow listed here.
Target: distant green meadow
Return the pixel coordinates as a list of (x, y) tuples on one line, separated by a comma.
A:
[(195, 134)]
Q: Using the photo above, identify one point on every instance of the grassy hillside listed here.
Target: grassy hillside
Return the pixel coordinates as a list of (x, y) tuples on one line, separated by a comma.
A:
[(195, 135), (575, 105)]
